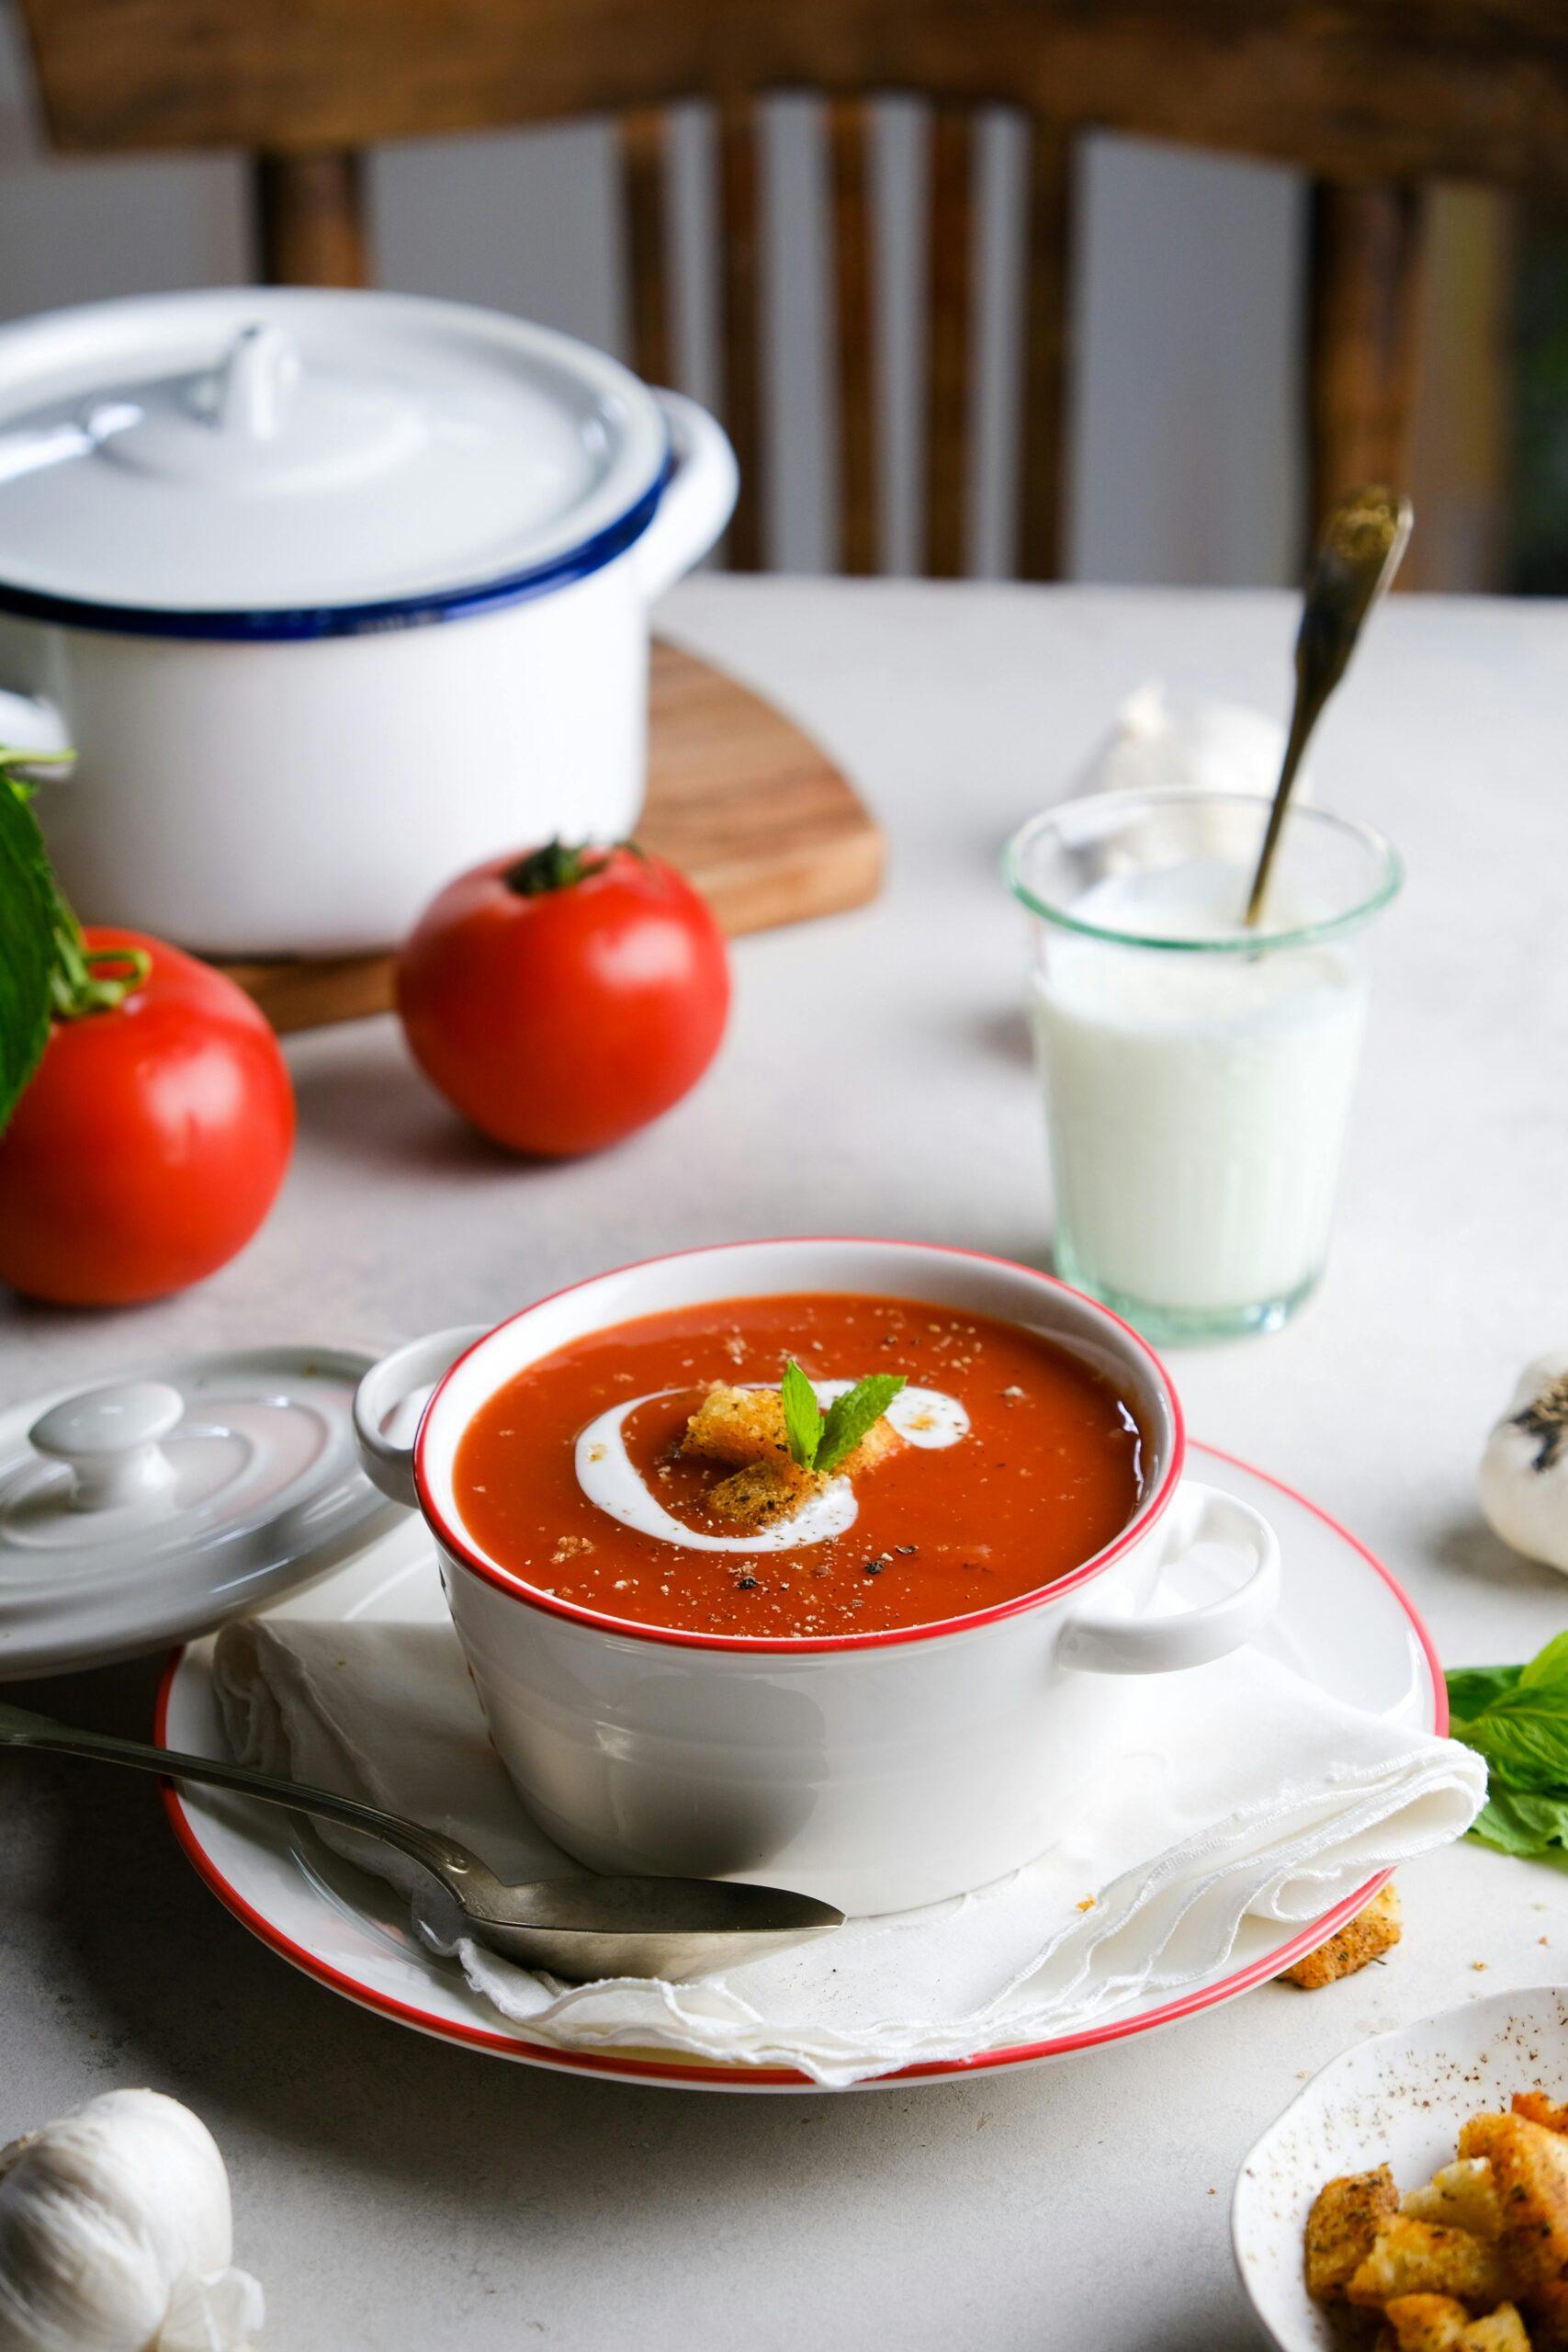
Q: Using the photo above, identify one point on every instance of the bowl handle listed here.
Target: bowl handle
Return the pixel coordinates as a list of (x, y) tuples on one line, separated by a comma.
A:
[(698, 499), (1098, 1643), (390, 1402)]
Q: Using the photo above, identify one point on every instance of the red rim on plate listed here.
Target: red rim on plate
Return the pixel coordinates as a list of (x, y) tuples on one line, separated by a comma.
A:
[(1147, 1515), (714, 2077)]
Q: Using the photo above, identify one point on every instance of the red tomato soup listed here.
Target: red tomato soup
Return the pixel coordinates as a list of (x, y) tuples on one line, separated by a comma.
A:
[(1034, 1465)]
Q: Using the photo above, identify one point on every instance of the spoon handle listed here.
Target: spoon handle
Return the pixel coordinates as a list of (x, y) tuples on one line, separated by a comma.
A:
[(459, 1871), (1356, 560), (1305, 712)]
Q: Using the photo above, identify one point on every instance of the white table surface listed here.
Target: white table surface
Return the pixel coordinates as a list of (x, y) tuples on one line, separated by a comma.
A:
[(393, 2194)]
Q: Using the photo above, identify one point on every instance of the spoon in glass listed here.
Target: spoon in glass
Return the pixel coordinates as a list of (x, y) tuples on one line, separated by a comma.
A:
[(1356, 560), (587, 1927)]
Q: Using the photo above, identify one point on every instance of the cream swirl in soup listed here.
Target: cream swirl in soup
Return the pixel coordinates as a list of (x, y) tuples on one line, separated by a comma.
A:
[(612, 1481)]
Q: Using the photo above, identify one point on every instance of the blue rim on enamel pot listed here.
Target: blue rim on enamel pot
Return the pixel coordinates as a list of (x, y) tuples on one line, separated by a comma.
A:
[(341, 620), (250, 464)]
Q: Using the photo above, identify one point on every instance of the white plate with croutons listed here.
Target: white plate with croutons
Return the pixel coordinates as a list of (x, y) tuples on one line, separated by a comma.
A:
[(1462, 2244)]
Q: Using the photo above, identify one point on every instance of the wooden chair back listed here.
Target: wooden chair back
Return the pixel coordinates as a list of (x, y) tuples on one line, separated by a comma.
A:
[(1373, 100)]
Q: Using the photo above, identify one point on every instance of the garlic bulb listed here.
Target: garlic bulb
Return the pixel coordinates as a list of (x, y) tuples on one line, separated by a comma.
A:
[(1524, 1471), (115, 2235), (1196, 745), (1203, 745)]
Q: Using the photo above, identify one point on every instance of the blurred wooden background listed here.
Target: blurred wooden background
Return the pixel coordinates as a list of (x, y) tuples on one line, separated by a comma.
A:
[(1412, 135)]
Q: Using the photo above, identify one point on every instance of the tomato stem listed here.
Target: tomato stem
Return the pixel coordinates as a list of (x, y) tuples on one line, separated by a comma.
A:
[(92, 979), (561, 865), (83, 980)]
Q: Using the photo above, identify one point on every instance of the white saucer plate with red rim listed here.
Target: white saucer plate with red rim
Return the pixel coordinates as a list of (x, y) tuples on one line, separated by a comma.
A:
[(1343, 1623)]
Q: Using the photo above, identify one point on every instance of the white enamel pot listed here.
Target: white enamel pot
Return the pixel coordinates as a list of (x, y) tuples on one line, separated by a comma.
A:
[(334, 594), (878, 1770)]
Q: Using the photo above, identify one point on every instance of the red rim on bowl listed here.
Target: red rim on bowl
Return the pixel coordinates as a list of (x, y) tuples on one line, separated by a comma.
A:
[(1143, 1520), (679, 2072)]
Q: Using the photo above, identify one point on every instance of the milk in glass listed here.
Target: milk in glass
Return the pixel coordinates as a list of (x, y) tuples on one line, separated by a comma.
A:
[(1196, 1098)]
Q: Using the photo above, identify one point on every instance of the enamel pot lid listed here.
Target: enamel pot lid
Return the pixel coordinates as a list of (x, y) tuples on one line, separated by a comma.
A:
[(147, 1511), (265, 461)]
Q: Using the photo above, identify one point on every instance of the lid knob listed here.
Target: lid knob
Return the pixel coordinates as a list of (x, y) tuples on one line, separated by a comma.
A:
[(111, 1438), (259, 372)]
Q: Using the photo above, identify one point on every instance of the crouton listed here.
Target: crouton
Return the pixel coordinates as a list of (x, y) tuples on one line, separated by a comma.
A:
[(745, 1428), (1411, 2257), (1529, 2166), (1342, 2226), (1539, 2109), (739, 1426), (1501, 2331), (1428, 2323), (761, 1492), (1477, 2136), (1372, 1931), (1463, 2194), (1437, 2323)]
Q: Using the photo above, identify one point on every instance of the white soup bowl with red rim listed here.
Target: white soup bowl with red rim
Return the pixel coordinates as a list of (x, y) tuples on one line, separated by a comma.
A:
[(875, 1771)]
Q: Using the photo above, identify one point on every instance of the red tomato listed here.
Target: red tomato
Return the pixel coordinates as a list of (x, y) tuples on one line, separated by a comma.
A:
[(561, 1000), (149, 1143)]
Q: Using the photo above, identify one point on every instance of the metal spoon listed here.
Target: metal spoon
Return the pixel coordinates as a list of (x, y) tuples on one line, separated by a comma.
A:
[(1357, 557), (677, 1929)]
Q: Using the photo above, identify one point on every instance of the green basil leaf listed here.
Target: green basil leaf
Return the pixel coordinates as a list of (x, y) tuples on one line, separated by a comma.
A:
[(1524, 1736), (803, 1416), (26, 942), (1472, 1689), (851, 1415), (1516, 1718), (1520, 1824), (1550, 1665)]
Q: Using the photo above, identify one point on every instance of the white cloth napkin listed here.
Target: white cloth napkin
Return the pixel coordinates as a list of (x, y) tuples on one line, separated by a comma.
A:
[(1248, 1791)]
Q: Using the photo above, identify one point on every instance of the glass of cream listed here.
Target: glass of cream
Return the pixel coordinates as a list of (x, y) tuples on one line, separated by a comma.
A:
[(1197, 1075)]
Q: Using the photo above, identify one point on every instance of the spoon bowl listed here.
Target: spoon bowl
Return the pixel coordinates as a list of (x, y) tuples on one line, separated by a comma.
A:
[(604, 1927), (582, 1928)]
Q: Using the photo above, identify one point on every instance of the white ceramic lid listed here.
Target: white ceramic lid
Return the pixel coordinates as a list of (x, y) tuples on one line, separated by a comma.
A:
[(148, 1510), (272, 451)]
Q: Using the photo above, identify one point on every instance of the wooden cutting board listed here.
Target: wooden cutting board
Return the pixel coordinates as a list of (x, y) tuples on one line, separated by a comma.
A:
[(751, 809)]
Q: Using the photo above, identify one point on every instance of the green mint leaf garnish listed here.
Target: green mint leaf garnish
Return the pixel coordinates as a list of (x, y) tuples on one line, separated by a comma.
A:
[(803, 1416), (851, 1415), (1516, 1718)]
